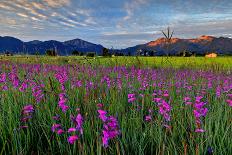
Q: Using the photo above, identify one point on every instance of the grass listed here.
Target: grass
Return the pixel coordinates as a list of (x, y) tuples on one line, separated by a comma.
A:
[(109, 81), (177, 62)]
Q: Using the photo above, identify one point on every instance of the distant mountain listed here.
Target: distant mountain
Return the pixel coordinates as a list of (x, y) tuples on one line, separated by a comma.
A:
[(199, 45), (15, 45)]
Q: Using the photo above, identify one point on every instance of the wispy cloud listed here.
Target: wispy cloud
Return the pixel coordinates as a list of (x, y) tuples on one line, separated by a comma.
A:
[(57, 3), (122, 22), (131, 6), (22, 15)]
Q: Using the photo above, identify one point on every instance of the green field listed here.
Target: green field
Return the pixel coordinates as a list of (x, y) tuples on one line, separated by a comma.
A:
[(153, 105), (177, 62)]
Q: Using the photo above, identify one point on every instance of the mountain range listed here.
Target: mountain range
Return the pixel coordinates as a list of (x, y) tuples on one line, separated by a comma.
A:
[(200, 45), (16, 46)]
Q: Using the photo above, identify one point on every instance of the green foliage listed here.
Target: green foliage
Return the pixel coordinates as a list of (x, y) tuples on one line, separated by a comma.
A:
[(51, 52), (75, 52), (90, 54), (105, 52)]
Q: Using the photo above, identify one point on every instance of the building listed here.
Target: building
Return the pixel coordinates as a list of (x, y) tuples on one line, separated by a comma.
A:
[(211, 55)]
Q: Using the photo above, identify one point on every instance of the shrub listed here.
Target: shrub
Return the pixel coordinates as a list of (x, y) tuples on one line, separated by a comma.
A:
[(51, 52)]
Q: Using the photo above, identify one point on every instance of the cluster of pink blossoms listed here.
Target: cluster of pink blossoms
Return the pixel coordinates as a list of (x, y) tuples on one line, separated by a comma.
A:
[(199, 112), (3, 80), (164, 108), (229, 101), (131, 98), (73, 132), (62, 102), (26, 115), (110, 127)]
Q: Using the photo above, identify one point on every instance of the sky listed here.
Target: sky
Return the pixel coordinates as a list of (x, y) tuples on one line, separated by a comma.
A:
[(114, 23)]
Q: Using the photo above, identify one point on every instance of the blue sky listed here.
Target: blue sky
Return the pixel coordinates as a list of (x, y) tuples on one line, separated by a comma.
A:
[(114, 23)]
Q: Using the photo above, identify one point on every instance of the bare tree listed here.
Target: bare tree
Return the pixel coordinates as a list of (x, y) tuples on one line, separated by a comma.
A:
[(168, 39)]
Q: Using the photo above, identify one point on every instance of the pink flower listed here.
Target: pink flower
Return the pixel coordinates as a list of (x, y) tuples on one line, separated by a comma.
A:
[(105, 138), (72, 139), (60, 131), (72, 130), (187, 99), (188, 103), (166, 95), (99, 105), (55, 126), (199, 130), (148, 118), (229, 102), (102, 115), (131, 98)]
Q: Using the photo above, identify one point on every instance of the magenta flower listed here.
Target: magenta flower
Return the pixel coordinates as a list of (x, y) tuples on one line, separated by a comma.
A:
[(105, 138), (72, 130), (60, 131), (164, 109), (199, 130), (102, 115), (229, 101), (55, 126), (187, 99), (131, 98), (62, 102), (110, 127), (148, 118), (28, 109), (100, 105), (72, 139), (78, 121)]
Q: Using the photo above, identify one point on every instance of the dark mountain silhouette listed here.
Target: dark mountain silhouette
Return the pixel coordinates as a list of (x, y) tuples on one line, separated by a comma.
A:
[(201, 46), (16, 46)]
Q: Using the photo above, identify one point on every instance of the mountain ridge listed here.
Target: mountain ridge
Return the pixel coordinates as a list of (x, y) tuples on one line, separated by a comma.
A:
[(200, 45), (15, 45)]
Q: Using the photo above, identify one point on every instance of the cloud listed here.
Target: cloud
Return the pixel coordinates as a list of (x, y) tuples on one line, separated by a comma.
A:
[(7, 21), (131, 6), (22, 15), (57, 3), (5, 7), (38, 5)]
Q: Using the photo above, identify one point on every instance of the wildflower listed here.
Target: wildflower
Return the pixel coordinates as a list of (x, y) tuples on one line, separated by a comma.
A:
[(23, 127), (131, 98), (72, 129), (57, 117), (110, 127), (37, 92), (72, 139), (199, 130), (27, 112), (199, 111), (102, 115), (105, 138), (28, 109), (100, 105), (62, 101), (229, 102), (55, 126), (164, 109), (78, 121), (148, 118), (60, 131)]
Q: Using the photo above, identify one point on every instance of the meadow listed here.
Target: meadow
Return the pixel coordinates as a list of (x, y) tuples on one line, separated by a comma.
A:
[(119, 105)]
